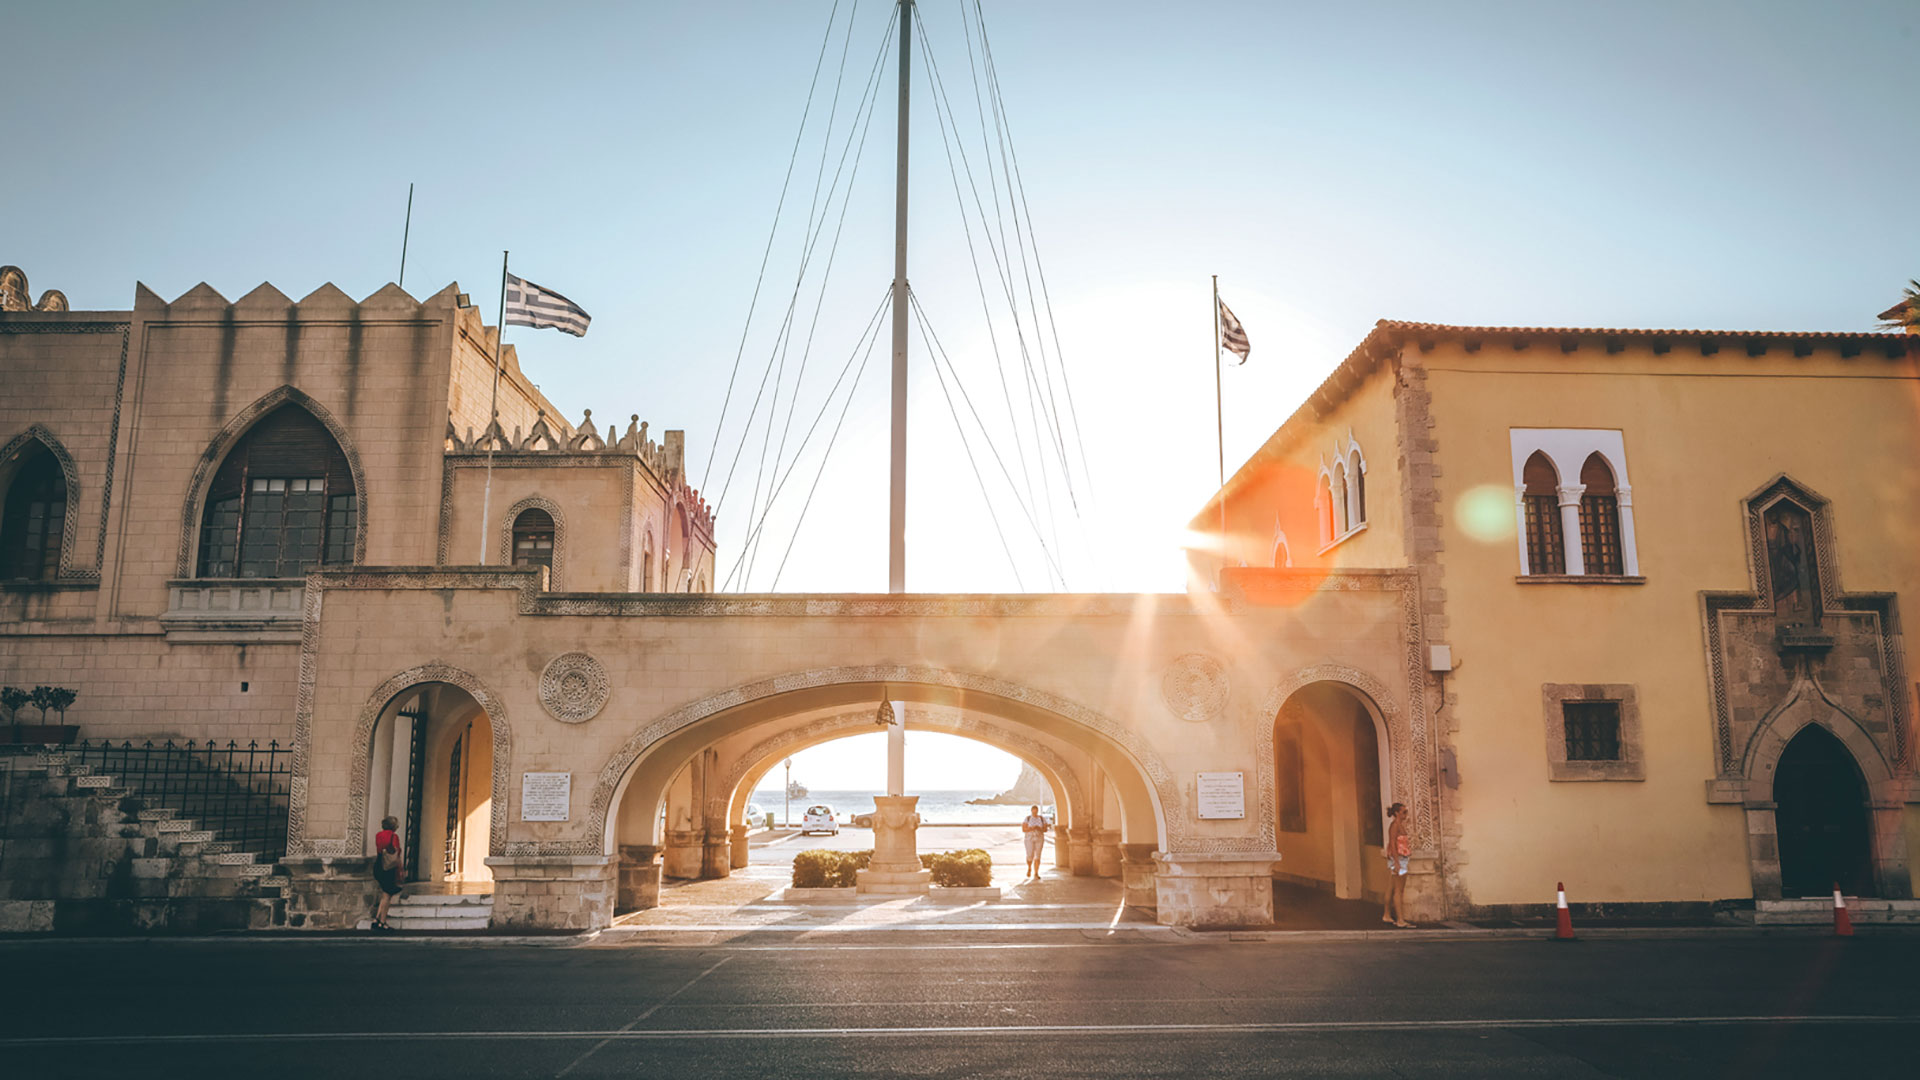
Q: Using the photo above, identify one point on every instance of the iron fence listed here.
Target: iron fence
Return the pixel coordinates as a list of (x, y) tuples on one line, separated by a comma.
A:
[(240, 791)]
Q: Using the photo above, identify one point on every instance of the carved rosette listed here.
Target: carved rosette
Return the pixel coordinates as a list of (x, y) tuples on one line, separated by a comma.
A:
[(1195, 687), (573, 688)]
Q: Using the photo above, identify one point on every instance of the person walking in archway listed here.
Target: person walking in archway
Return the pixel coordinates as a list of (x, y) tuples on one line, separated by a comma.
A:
[(1034, 832), (1399, 850), (386, 868)]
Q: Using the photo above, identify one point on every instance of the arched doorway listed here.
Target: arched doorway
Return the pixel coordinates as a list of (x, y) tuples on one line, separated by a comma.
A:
[(1822, 818), (1331, 780), (431, 765)]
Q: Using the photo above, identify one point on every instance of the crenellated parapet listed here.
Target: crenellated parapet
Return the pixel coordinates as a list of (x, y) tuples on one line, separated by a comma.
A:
[(665, 460)]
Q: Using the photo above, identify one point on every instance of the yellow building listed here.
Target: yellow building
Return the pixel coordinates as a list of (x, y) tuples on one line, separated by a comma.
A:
[(1662, 575)]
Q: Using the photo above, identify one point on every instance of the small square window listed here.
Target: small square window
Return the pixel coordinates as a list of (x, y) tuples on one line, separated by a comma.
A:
[(1593, 730)]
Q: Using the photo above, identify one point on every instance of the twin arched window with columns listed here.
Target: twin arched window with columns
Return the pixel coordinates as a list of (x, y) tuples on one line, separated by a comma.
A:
[(1581, 529), (1340, 498)]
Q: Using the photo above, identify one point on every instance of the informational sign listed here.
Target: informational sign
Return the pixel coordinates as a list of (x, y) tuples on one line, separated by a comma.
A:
[(544, 795), (1221, 795)]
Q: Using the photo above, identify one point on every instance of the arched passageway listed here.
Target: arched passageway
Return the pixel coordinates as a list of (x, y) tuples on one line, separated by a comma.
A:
[(1822, 816), (1332, 785), (679, 795), (431, 765)]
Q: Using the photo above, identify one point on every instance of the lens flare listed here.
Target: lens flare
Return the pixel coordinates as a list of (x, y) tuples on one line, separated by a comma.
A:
[(1485, 513)]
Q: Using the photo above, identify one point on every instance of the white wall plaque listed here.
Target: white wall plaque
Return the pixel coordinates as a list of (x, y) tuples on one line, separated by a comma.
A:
[(1221, 795), (544, 795)]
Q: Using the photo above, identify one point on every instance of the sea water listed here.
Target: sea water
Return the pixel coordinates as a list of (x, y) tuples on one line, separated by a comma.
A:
[(936, 807)]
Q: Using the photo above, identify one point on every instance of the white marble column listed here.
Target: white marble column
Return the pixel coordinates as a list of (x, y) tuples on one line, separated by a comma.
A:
[(1629, 555), (1570, 528)]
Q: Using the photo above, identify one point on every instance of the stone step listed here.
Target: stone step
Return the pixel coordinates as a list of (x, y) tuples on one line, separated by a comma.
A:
[(219, 847), (172, 824), (481, 912), (413, 922), (429, 899), (276, 881), (197, 836), (95, 780), (159, 813), (231, 858)]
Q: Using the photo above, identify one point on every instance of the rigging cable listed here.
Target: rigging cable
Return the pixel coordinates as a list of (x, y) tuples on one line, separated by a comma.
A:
[(1040, 267), (828, 452), (792, 303), (938, 351), (873, 323), (827, 36)]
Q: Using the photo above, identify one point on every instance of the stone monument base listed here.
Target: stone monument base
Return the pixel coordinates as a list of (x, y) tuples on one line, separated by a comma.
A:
[(893, 882)]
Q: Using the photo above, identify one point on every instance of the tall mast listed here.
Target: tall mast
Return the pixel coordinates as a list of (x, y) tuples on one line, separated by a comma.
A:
[(897, 520)]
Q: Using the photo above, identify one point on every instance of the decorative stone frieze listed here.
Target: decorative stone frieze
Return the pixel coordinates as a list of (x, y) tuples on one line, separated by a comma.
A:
[(573, 688), (1195, 687)]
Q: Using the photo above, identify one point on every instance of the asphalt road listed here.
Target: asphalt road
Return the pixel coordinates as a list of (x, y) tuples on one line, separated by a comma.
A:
[(1732, 1005)]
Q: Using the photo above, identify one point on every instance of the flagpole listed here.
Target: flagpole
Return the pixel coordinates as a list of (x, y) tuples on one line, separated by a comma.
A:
[(499, 342), (1219, 421), (897, 508), (405, 232)]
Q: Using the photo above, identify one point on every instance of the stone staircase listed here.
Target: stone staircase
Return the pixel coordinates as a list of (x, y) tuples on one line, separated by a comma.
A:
[(439, 911), (81, 854)]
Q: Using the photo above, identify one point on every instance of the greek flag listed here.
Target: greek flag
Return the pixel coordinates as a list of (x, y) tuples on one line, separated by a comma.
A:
[(1233, 336), (540, 307)]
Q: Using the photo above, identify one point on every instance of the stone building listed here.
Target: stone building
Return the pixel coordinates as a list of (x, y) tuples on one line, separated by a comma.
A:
[(1661, 575), (272, 522)]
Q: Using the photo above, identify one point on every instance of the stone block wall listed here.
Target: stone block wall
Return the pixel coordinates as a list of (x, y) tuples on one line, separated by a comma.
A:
[(552, 892), (1209, 889)]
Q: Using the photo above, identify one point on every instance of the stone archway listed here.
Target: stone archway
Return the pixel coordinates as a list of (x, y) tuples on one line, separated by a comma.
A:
[(1409, 777), (377, 704), (1808, 705), (1150, 786)]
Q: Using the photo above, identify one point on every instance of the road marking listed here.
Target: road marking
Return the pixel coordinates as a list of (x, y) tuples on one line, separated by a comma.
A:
[(635, 1022), (1001, 1031), (872, 927)]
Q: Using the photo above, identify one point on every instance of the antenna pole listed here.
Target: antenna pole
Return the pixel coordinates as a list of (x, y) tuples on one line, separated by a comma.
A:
[(897, 515), (405, 232)]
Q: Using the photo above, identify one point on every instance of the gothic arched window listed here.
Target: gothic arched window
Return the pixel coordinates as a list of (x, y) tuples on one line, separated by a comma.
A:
[(34, 517), (1357, 497), (1342, 510), (533, 538), (1600, 518), (1546, 546), (282, 503)]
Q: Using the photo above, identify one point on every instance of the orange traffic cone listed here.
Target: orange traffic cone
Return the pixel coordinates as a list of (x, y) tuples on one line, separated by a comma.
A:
[(1564, 932), (1842, 922)]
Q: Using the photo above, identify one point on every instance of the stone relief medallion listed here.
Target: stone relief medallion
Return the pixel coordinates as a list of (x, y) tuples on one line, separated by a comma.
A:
[(573, 688), (1195, 687)]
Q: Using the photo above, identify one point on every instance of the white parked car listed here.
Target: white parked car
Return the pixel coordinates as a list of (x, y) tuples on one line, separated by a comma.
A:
[(756, 817), (819, 818)]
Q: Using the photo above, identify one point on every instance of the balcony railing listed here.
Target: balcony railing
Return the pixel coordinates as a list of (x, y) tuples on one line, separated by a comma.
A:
[(234, 609)]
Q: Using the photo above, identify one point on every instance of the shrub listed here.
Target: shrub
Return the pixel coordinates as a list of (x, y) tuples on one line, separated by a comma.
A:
[(972, 868), (819, 868)]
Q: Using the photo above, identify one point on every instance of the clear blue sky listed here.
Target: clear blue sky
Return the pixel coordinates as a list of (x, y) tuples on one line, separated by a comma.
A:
[(1740, 165)]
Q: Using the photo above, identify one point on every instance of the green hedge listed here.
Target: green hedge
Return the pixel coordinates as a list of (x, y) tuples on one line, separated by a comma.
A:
[(972, 868), (819, 868)]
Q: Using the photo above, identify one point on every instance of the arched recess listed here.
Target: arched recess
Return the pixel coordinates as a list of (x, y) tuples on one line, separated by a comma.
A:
[(381, 703), (1405, 774), (194, 505), (1807, 704), (652, 755), (15, 454), (557, 572), (752, 765)]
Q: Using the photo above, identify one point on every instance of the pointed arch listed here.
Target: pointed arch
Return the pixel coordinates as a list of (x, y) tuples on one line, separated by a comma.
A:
[(1546, 550), (510, 522), (14, 453), (194, 505), (1399, 757), (1601, 548)]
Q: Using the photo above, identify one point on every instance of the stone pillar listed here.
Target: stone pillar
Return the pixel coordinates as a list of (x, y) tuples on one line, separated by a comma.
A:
[(1629, 551), (1763, 849), (1137, 876), (1080, 852), (1570, 528), (552, 892), (895, 869), (1062, 848), (1215, 888), (740, 851), (685, 850), (639, 878), (716, 854), (1106, 853)]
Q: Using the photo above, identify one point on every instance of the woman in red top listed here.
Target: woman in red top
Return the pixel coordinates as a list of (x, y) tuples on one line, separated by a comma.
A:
[(386, 868)]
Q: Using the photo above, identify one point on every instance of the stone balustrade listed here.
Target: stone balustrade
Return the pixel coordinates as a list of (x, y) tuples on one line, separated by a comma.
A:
[(244, 610)]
